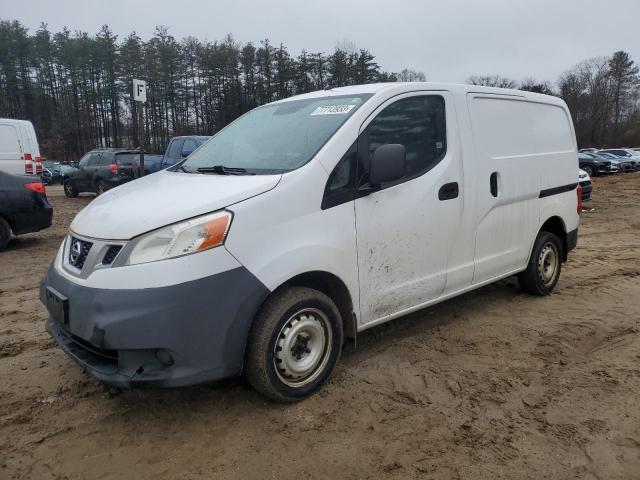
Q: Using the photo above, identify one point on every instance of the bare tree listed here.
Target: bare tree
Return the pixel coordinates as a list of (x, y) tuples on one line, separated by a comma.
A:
[(410, 75), (532, 85), (492, 81), (586, 90)]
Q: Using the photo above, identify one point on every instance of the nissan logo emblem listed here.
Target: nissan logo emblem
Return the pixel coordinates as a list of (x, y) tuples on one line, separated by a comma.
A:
[(75, 252)]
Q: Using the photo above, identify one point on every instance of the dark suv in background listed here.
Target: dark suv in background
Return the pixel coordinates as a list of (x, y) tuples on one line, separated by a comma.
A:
[(101, 169)]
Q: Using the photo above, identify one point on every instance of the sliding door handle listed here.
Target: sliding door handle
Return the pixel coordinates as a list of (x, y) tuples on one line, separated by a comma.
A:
[(493, 184)]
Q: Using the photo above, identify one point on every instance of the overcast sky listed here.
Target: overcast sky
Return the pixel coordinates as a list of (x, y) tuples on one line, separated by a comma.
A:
[(448, 40)]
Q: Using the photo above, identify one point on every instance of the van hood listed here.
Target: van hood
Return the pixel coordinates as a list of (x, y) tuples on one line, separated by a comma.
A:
[(164, 198)]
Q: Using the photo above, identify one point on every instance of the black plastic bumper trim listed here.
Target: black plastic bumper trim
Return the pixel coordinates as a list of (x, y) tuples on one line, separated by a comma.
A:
[(557, 190)]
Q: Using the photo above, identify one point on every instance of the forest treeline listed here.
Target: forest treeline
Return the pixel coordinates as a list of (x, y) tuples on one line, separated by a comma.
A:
[(76, 87)]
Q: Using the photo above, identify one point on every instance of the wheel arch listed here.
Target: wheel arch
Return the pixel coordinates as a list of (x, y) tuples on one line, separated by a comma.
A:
[(333, 287), (556, 225)]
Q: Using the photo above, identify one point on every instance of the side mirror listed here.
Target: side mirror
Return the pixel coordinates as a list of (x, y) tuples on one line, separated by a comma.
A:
[(186, 154), (389, 163)]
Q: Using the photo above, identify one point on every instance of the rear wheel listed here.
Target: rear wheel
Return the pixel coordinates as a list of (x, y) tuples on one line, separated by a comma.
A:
[(100, 188), (5, 233), (294, 344), (545, 265), (69, 189)]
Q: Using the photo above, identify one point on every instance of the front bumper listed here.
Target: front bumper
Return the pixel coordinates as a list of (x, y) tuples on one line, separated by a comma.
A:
[(117, 180), (169, 336), (587, 187)]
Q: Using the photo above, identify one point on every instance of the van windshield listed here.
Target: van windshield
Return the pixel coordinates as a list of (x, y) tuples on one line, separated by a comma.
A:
[(275, 138)]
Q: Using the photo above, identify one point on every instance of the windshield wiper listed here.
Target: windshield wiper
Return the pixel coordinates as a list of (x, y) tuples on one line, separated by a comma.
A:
[(180, 167), (222, 170)]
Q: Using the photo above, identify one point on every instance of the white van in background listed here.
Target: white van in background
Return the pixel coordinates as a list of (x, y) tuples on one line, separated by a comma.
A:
[(311, 219), (19, 150)]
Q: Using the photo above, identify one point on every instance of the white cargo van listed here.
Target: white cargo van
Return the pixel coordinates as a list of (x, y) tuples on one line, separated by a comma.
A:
[(309, 220), (19, 150)]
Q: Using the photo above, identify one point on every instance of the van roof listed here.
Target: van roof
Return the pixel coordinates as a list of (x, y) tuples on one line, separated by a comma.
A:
[(402, 87)]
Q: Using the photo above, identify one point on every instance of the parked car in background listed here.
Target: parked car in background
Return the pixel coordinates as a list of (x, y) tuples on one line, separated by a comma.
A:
[(628, 156), (595, 166), (50, 176), (623, 164), (181, 147), (19, 150), (152, 163), (24, 207), (51, 172), (585, 182), (607, 156), (588, 150), (100, 170)]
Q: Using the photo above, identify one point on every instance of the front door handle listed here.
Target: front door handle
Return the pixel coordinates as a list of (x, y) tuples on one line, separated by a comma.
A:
[(448, 191)]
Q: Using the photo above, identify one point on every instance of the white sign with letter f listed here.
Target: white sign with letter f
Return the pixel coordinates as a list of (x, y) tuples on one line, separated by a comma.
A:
[(140, 90)]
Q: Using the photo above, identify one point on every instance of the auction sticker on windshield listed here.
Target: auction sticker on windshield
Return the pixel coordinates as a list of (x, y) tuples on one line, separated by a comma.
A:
[(333, 110)]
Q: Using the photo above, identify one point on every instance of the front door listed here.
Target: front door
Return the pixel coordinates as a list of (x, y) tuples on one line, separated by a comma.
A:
[(406, 230)]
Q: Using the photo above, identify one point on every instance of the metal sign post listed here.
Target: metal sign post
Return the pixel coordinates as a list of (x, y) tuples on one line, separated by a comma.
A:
[(140, 96)]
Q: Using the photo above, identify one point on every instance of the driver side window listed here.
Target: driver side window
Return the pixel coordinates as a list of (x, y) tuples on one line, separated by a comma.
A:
[(418, 123)]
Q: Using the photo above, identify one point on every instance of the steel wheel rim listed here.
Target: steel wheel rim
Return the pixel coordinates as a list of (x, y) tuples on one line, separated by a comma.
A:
[(548, 263), (303, 347)]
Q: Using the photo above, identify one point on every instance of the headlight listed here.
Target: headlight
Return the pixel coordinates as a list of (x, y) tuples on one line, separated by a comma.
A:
[(183, 238)]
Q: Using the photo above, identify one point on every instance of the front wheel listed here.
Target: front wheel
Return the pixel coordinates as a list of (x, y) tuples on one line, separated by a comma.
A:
[(588, 169), (545, 264), (69, 190), (294, 344)]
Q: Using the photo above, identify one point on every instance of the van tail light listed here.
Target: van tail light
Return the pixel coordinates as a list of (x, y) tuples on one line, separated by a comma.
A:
[(114, 168), (579, 192), (37, 187), (28, 164), (38, 165)]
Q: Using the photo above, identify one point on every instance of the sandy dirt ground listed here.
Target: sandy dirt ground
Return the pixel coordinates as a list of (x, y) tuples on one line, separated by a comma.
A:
[(495, 384)]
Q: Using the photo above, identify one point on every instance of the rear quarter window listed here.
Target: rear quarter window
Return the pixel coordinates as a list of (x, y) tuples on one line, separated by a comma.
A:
[(553, 128), (9, 139), (506, 127)]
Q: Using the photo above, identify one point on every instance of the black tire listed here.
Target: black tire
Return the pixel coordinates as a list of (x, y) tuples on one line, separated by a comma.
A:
[(545, 265), (5, 233), (588, 169), (100, 189), (289, 312), (69, 189)]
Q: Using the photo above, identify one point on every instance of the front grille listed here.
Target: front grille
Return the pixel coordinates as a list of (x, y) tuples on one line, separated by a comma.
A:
[(111, 254), (78, 251), (585, 183)]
